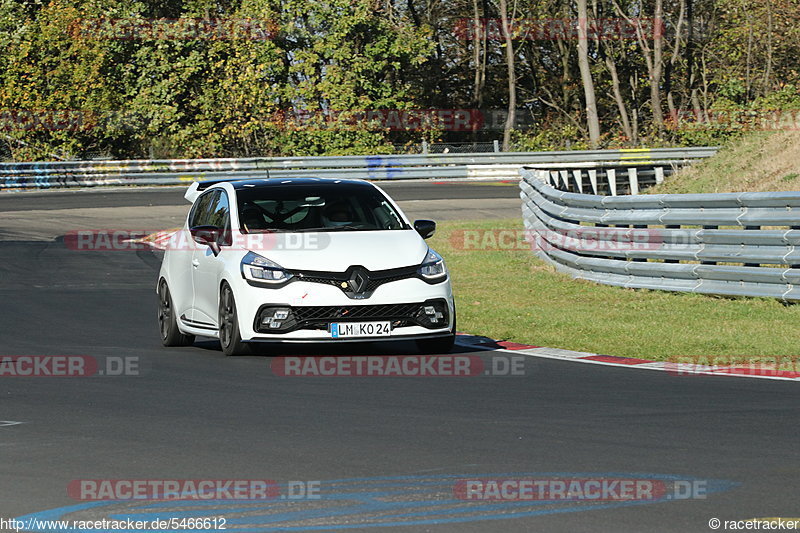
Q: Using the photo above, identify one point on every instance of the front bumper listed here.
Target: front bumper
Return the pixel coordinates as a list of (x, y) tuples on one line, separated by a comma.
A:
[(308, 309)]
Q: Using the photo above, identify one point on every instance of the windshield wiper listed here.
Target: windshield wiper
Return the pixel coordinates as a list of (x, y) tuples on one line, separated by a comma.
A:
[(342, 228), (337, 228), (267, 231)]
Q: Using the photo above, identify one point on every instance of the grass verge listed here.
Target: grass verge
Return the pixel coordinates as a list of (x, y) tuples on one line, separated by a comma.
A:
[(511, 295), (760, 161)]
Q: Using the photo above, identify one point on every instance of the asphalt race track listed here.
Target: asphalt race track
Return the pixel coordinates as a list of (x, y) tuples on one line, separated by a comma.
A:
[(149, 196), (386, 453), (33, 215)]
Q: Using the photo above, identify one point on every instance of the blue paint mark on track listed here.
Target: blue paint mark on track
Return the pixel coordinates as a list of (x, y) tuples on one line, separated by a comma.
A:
[(373, 502)]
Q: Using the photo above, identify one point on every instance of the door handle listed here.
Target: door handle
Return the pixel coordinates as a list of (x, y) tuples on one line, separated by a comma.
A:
[(195, 263)]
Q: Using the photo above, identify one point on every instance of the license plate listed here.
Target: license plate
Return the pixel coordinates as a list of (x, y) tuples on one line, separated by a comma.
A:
[(360, 329)]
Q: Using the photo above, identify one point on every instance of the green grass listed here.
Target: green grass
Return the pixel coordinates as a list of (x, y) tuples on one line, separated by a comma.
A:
[(511, 295), (759, 161)]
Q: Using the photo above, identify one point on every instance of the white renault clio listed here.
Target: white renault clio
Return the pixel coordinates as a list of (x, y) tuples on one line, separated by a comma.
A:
[(302, 260)]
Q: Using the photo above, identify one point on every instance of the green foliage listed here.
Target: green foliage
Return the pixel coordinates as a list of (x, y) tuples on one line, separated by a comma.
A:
[(154, 92), (727, 120), (548, 138), (704, 135), (206, 78), (733, 90), (786, 98)]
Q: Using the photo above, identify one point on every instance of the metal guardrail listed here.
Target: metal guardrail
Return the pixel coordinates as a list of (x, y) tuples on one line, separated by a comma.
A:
[(503, 165), (733, 244), (607, 178)]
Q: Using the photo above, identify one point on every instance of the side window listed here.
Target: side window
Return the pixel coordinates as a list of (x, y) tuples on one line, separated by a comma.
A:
[(200, 212), (219, 216), (218, 212)]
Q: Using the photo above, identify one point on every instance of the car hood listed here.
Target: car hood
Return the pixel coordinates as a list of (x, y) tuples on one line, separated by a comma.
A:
[(337, 250)]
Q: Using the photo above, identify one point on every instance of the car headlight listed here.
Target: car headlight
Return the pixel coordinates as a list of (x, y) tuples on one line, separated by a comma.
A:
[(261, 269), (432, 267)]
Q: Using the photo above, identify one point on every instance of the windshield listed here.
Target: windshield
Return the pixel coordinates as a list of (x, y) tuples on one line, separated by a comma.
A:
[(334, 207)]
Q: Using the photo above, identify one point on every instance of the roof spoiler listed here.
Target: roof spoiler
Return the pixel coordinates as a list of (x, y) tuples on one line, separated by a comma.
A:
[(197, 187), (192, 192)]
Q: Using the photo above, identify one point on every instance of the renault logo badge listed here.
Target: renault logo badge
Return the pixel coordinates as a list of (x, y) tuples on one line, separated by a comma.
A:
[(358, 281)]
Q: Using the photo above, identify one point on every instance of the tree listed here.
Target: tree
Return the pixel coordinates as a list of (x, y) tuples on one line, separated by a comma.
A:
[(592, 121), (512, 77)]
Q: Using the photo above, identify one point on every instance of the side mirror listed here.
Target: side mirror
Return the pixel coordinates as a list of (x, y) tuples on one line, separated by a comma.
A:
[(426, 228), (207, 236)]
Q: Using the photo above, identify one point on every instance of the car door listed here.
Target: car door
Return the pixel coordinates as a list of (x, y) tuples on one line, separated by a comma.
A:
[(207, 267), (182, 279)]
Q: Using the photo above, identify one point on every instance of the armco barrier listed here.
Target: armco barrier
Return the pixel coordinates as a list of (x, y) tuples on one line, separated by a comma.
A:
[(503, 165), (701, 243), (607, 178)]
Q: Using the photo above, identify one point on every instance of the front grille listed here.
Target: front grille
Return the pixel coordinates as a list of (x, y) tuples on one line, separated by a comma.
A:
[(324, 281), (375, 283), (355, 312)]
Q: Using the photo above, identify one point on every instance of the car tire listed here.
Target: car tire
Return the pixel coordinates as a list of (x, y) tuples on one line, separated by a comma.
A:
[(229, 336), (167, 322)]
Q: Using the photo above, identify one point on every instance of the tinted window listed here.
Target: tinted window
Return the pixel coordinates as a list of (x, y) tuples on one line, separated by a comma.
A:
[(200, 212), (219, 216), (218, 212), (324, 207)]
